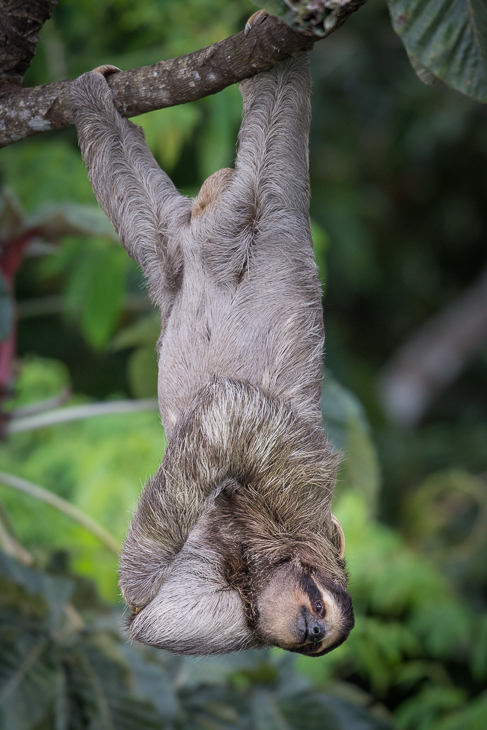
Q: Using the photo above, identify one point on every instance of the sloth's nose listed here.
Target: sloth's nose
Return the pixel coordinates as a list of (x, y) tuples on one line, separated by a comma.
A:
[(316, 632)]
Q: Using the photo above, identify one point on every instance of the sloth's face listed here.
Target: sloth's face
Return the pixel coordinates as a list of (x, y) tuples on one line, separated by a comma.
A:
[(296, 613)]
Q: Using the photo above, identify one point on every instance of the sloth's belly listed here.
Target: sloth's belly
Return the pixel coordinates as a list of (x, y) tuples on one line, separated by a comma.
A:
[(272, 342)]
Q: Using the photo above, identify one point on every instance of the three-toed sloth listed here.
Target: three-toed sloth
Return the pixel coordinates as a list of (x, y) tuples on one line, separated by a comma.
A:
[(233, 543)]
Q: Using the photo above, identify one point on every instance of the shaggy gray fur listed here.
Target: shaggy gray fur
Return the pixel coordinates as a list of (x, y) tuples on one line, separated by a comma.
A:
[(247, 478)]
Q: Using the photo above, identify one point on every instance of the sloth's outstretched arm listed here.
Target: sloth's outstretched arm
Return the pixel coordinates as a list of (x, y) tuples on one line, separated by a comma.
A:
[(137, 196), (272, 160)]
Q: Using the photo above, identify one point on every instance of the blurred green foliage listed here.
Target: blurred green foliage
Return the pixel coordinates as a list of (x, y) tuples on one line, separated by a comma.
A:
[(98, 464), (399, 185), (57, 671)]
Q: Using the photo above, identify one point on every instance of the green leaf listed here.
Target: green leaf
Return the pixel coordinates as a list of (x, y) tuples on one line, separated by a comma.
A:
[(426, 76), (143, 332), (41, 595), (39, 379), (421, 711), (347, 428), (142, 366), (216, 148), (52, 222), (96, 287), (318, 711), (98, 685), (321, 243), (55, 173), (470, 717), (447, 38), (479, 653), (444, 629), (27, 683), (142, 373), (153, 680), (167, 130)]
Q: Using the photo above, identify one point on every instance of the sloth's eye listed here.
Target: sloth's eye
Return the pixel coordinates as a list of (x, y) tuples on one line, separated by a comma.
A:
[(319, 608)]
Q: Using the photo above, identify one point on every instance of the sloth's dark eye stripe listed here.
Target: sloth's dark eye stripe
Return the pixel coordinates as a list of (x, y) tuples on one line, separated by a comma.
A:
[(309, 587)]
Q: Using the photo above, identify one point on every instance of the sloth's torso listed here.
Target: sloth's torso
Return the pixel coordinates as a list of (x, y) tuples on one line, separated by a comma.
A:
[(261, 324)]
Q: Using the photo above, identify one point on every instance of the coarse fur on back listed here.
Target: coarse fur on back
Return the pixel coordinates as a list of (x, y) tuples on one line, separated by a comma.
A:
[(233, 543)]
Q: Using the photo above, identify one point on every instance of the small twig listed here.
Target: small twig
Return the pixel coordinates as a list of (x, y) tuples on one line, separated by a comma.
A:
[(34, 490), (11, 546), (77, 413), (9, 542), (55, 304), (42, 406)]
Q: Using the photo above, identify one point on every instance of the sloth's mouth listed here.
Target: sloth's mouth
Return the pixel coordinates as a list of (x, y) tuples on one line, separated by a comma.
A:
[(311, 648)]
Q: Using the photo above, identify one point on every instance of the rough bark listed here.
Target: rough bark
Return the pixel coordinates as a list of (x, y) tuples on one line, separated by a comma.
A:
[(20, 23), (167, 83)]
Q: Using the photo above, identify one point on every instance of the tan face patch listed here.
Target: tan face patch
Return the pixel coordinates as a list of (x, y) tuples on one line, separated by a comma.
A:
[(286, 613), (279, 604), (333, 621)]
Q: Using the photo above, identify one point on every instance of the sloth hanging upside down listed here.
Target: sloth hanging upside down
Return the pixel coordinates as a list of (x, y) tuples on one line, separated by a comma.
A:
[(233, 544)]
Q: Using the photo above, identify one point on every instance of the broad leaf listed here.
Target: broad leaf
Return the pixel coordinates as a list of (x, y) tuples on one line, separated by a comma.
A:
[(145, 331), (55, 221), (167, 130), (33, 592), (347, 428), (142, 365), (52, 222), (93, 294), (27, 684), (448, 38)]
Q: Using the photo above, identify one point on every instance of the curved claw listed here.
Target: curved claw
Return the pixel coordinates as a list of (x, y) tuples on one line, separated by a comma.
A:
[(105, 70), (256, 17)]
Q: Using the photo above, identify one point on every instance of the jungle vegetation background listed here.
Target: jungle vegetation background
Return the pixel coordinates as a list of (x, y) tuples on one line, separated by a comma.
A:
[(399, 211)]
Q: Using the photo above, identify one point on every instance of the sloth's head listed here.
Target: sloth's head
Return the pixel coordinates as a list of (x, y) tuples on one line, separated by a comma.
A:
[(257, 562), (303, 612), (290, 604)]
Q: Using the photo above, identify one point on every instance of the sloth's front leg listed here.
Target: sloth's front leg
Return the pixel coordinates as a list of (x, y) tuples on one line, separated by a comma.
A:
[(195, 611)]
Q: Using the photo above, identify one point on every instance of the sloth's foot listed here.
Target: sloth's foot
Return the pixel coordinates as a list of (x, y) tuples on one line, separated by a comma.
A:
[(105, 70), (255, 18)]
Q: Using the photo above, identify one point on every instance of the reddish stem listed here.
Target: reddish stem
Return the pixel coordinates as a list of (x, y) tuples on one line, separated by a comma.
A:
[(12, 255)]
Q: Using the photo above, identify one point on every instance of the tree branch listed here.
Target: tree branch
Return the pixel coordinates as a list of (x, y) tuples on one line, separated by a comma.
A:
[(44, 495), (167, 83), (10, 544), (77, 413), (20, 23)]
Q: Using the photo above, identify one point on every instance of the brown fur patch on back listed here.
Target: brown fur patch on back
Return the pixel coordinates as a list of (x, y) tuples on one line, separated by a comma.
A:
[(211, 190)]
